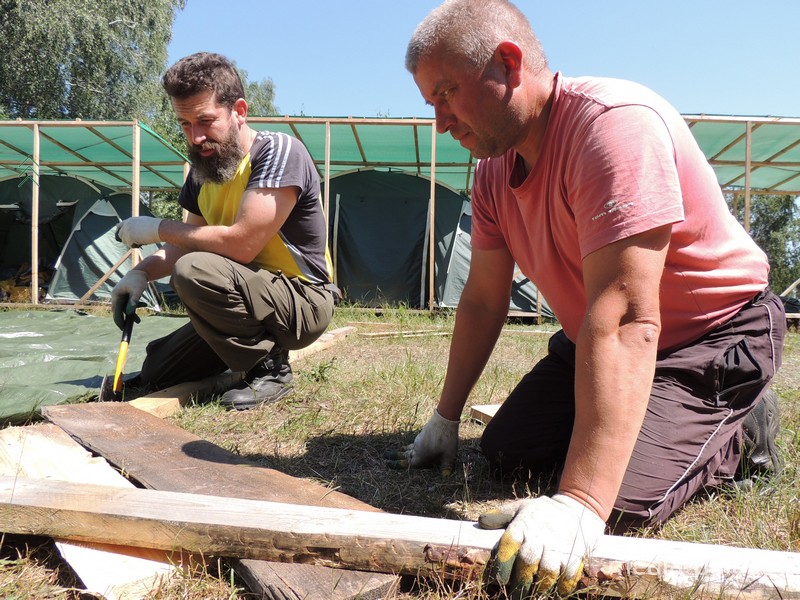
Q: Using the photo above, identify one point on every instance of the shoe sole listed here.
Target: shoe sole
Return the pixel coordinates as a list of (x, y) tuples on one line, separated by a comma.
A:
[(250, 404)]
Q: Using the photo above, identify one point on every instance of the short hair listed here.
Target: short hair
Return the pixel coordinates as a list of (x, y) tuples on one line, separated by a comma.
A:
[(472, 30), (203, 72)]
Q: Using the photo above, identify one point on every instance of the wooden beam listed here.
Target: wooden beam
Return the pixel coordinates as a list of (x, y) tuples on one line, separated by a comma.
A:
[(165, 457), (35, 215), (370, 540)]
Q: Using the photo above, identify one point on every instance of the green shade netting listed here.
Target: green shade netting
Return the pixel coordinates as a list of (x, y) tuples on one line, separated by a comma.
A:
[(54, 357)]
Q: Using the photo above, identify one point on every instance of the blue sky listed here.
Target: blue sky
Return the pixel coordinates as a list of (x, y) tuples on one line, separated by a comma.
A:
[(345, 57)]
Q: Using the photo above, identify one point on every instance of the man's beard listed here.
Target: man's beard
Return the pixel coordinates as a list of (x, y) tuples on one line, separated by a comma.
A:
[(221, 166)]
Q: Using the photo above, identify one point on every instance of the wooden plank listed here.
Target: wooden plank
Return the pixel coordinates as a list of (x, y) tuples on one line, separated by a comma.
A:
[(44, 451), (165, 457), (168, 401), (325, 341), (370, 540), (483, 413)]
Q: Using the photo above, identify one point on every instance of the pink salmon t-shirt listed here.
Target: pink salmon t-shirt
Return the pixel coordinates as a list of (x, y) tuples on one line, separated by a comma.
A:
[(618, 160)]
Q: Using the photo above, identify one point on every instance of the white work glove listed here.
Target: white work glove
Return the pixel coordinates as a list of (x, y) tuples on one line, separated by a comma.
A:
[(138, 231), (125, 295), (436, 445), (545, 542)]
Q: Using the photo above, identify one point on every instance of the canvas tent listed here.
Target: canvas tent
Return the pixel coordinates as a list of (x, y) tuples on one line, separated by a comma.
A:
[(92, 251), (113, 155), (58, 197), (524, 295), (76, 220), (380, 239)]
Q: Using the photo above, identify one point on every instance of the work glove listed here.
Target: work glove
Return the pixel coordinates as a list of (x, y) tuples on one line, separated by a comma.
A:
[(436, 445), (125, 296), (545, 543), (138, 231)]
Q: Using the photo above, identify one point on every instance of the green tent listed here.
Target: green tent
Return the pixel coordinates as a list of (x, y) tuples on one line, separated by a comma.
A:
[(91, 251)]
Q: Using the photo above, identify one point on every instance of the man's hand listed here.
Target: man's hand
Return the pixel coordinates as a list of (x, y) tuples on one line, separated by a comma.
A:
[(545, 542), (138, 231), (125, 295), (436, 444)]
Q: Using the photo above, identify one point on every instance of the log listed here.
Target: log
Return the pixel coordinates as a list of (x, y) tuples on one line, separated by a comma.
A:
[(165, 457), (167, 402), (377, 541)]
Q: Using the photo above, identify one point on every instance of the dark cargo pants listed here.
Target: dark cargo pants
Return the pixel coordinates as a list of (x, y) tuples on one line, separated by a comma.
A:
[(691, 434), (238, 316)]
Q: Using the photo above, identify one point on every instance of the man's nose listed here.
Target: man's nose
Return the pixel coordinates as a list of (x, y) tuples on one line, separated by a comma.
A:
[(198, 135), (444, 119)]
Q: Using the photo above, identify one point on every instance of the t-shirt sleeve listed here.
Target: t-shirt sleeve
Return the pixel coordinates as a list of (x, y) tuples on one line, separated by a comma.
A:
[(486, 233), (623, 179), (189, 196), (279, 160)]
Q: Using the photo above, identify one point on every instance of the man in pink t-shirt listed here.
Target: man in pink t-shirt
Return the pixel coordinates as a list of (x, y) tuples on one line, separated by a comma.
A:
[(598, 191)]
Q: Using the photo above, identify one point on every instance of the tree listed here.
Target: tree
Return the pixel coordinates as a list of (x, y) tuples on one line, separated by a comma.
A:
[(260, 95), (65, 59), (775, 227)]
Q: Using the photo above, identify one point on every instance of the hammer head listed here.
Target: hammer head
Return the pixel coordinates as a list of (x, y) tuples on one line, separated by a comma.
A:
[(107, 393)]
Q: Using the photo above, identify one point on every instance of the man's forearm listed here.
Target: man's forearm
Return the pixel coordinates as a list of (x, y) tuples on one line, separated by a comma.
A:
[(474, 336), (612, 387), (160, 263)]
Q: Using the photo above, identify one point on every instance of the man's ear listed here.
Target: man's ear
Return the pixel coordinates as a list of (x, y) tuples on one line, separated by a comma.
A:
[(240, 108), (509, 55)]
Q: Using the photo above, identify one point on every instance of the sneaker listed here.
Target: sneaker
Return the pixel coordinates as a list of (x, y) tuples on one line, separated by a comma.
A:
[(760, 429), (267, 382)]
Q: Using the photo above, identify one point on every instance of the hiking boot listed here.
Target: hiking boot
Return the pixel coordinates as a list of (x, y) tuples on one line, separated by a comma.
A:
[(760, 429), (267, 382)]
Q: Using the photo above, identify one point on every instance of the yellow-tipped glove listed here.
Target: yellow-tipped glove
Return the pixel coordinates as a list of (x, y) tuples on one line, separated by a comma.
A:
[(545, 543), (138, 231), (436, 445)]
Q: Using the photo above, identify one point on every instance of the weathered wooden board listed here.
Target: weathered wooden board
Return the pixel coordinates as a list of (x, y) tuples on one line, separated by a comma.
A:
[(162, 456), (44, 451), (370, 540), (166, 402)]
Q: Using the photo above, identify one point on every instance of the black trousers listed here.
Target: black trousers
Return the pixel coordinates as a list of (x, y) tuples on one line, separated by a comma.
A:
[(691, 434)]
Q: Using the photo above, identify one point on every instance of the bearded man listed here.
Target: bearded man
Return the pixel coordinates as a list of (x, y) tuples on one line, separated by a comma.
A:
[(250, 263)]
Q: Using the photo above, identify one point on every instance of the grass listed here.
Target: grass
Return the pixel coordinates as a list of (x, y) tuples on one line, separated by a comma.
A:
[(367, 395)]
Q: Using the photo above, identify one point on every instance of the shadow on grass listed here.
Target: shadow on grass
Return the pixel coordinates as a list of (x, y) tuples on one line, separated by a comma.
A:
[(355, 465)]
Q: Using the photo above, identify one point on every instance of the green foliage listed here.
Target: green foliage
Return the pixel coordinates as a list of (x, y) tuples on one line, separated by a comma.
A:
[(89, 60), (260, 97), (775, 227)]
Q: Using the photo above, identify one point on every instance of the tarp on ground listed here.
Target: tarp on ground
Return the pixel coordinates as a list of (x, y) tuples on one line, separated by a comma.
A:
[(54, 357)]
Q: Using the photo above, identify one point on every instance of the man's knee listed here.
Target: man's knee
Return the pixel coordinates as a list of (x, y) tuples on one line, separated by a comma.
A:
[(197, 270)]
